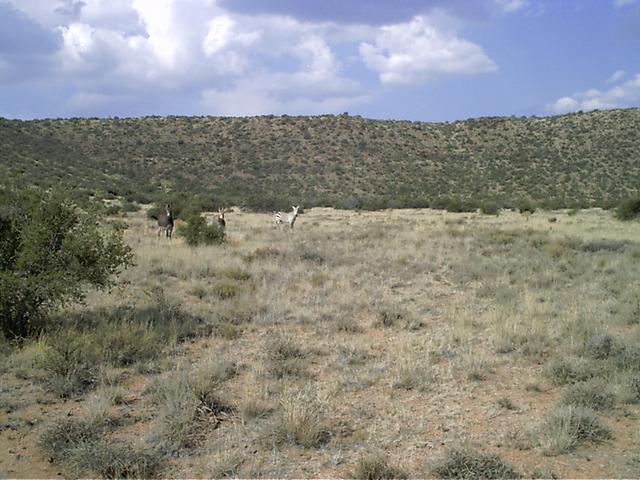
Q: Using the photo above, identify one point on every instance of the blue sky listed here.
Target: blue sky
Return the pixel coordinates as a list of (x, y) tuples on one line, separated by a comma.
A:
[(428, 60)]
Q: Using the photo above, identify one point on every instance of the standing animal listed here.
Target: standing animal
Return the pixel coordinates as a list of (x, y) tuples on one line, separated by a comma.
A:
[(220, 221), (165, 222), (281, 217)]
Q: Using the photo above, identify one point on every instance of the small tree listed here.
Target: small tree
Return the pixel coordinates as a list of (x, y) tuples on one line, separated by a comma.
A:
[(628, 210), (197, 232), (50, 251)]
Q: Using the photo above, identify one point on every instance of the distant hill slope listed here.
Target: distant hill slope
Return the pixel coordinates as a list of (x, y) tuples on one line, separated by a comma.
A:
[(578, 159)]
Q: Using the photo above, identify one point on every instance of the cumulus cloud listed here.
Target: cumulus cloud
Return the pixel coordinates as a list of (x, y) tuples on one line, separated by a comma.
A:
[(316, 86), (623, 95), (145, 52), (419, 50)]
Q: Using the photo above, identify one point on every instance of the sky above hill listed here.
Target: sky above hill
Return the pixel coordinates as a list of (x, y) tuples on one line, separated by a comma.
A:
[(428, 60)]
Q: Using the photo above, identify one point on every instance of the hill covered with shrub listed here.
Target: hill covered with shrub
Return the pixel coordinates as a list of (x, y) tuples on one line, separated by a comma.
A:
[(267, 162)]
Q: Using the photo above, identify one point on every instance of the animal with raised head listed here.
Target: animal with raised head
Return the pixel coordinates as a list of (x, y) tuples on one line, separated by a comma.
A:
[(165, 223), (220, 221), (287, 217)]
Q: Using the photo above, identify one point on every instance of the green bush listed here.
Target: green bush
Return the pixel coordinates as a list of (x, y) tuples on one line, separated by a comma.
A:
[(50, 251), (490, 207), (628, 209), (197, 232)]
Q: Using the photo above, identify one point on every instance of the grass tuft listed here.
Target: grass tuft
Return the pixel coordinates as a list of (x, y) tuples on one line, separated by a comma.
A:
[(567, 427), (375, 466)]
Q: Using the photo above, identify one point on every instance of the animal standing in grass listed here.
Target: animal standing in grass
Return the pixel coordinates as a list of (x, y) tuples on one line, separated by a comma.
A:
[(165, 222), (290, 218), (220, 221)]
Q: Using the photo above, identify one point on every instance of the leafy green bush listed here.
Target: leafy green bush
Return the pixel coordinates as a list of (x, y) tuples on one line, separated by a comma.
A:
[(197, 232), (628, 209), (490, 207), (50, 251)]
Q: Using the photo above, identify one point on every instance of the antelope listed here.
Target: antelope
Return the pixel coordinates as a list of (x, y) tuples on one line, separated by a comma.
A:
[(165, 222), (281, 217)]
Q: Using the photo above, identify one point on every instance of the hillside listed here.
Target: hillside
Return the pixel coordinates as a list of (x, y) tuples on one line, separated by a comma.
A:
[(573, 160)]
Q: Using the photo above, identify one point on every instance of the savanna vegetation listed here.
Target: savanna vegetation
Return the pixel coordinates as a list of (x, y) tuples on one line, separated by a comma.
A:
[(475, 342), (395, 344), (268, 163)]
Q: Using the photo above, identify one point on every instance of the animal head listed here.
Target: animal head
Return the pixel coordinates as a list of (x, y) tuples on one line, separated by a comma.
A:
[(168, 210), (221, 212), (295, 209)]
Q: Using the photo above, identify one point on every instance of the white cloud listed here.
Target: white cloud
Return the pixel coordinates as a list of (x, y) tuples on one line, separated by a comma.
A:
[(144, 50), (623, 3), (617, 76), (417, 51), (624, 95), (316, 86), (509, 6)]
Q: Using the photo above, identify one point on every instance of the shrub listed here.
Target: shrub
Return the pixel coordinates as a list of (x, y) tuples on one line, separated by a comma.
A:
[(570, 370), (71, 362), (628, 209), (375, 466), (592, 394), (112, 458), (490, 207), (301, 420), (80, 445), (601, 345), (467, 463), (566, 427), (197, 232), (525, 206), (187, 400), (50, 251), (226, 289), (284, 356)]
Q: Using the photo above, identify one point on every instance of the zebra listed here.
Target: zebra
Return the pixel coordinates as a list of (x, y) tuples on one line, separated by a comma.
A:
[(165, 222), (281, 217), (220, 221)]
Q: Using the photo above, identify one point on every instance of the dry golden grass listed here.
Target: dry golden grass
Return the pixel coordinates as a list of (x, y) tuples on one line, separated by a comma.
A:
[(408, 332)]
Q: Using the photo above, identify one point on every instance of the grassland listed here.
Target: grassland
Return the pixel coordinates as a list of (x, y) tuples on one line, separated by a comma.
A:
[(265, 163), (403, 343)]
